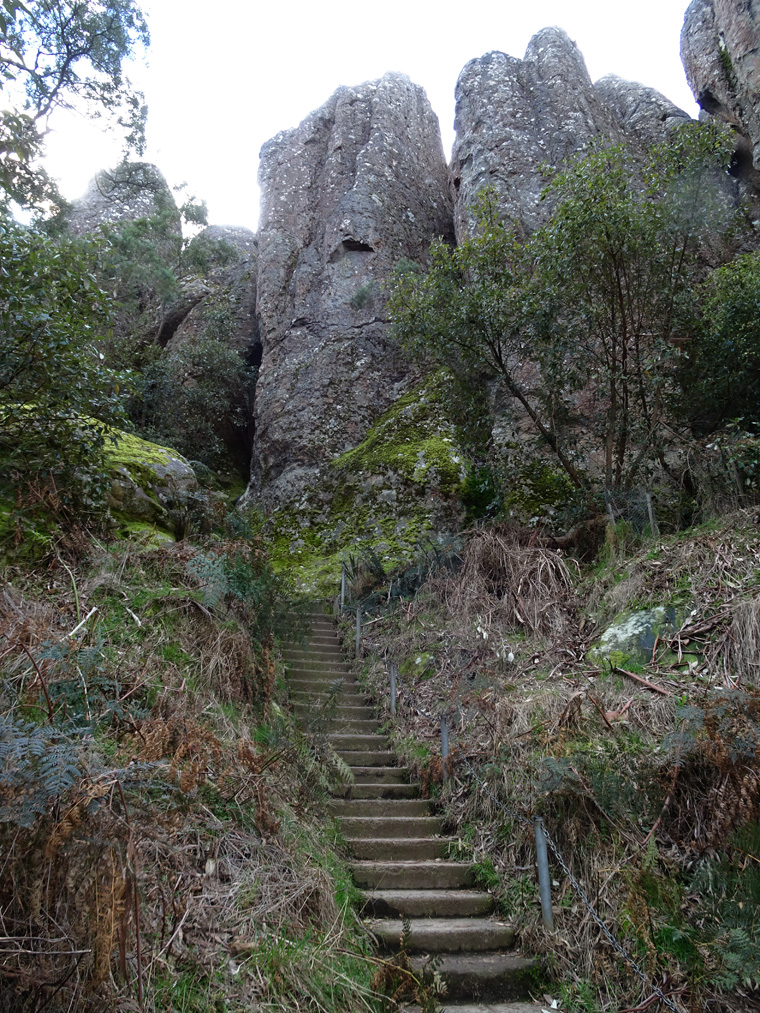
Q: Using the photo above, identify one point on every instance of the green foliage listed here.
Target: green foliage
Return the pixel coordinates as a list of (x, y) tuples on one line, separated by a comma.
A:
[(198, 399), (57, 396), (580, 322), (720, 378), (204, 255), (37, 766), (58, 54), (480, 492), (364, 296)]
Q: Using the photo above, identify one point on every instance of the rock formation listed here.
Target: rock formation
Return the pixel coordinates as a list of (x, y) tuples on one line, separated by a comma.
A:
[(361, 183), (643, 113), (227, 256), (720, 49), (515, 116), (132, 190)]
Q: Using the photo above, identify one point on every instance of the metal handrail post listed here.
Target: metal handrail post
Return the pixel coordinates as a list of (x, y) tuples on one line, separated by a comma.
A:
[(544, 878)]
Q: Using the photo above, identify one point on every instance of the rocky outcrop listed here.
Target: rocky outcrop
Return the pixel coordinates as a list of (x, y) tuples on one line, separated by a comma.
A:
[(514, 117), (132, 190), (643, 113), (720, 49), (358, 185)]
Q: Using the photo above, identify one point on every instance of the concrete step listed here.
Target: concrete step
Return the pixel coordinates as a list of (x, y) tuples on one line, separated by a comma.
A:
[(342, 741), (318, 682), (386, 775), (379, 807), (335, 687), (438, 875), (344, 725), (353, 701), (313, 654), (390, 826), (365, 758), (343, 712), (474, 977), (427, 903), (397, 849), (365, 790), (446, 935)]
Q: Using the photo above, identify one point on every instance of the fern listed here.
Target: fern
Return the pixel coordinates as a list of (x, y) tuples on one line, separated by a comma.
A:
[(210, 572), (37, 766)]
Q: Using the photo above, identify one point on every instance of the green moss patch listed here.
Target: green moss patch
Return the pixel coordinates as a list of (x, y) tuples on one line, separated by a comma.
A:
[(401, 485)]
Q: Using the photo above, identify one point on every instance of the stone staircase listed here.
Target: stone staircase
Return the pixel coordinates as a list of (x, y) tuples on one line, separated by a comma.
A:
[(399, 855)]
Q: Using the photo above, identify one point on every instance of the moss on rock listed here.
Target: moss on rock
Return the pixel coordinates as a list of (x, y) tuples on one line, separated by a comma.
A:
[(400, 485), (145, 479)]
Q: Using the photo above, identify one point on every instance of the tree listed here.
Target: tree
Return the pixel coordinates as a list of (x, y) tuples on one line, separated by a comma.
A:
[(620, 261), (720, 375), (60, 54), (57, 396), (581, 321)]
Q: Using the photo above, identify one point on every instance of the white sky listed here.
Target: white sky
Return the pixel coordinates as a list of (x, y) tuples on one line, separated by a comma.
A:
[(224, 77)]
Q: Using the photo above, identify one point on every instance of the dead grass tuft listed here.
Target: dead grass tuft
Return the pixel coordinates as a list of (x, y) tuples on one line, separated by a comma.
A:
[(511, 582)]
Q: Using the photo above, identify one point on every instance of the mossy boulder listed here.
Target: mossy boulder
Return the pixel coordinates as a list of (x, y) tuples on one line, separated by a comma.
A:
[(147, 480), (629, 641)]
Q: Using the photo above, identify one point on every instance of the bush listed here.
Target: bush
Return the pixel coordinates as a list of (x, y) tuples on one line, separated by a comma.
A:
[(57, 396), (198, 400)]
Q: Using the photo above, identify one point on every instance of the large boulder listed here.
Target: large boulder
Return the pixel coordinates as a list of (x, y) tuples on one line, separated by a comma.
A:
[(360, 184), (148, 481)]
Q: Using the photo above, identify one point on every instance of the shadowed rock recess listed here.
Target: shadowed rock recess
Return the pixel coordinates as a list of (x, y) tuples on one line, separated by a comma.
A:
[(398, 852)]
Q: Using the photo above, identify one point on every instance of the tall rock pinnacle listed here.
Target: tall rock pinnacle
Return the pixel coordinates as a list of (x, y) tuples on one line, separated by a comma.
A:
[(361, 183)]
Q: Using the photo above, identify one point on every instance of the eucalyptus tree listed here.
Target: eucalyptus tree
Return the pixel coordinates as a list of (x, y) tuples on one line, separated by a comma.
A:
[(57, 54)]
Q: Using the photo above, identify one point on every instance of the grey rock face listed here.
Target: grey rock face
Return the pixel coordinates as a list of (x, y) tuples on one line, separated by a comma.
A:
[(132, 190), (358, 185), (513, 116), (720, 50), (226, 313), (641, 111)]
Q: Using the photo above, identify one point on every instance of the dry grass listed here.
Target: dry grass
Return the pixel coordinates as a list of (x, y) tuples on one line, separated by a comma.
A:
[(184, 847), (508, 582), (636, 789)]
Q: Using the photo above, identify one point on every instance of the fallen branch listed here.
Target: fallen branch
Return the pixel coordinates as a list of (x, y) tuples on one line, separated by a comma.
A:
[(642, 682)]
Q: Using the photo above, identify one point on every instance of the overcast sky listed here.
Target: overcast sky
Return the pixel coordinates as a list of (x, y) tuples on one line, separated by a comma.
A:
[(223, 77)]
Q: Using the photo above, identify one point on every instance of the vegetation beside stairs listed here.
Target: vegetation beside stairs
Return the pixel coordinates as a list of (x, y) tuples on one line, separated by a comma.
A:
[(415, 901)]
